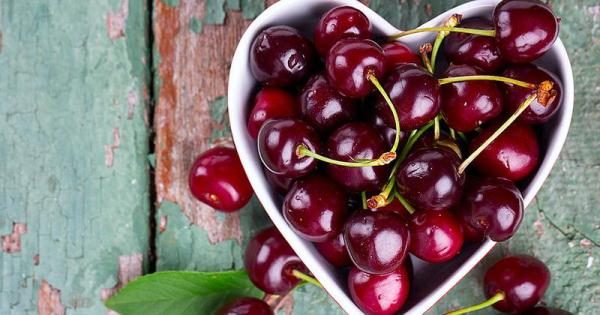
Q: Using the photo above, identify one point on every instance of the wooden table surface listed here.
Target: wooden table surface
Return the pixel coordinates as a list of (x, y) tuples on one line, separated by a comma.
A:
[(104, 104)]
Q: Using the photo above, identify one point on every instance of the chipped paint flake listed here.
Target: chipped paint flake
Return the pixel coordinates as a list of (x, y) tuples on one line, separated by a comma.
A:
[(49, 300), (109, 149), (116, 21), (585, 243), (162, 225), (590, 262), (132, 100), (36, 260), (539, 227), (130, 267), (11, 243)]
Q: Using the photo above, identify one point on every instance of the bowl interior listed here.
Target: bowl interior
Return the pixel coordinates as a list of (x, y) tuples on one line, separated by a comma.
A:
[(432, 281)]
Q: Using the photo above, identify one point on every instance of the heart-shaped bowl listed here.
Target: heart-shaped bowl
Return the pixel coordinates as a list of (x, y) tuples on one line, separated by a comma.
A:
[(431, 282)]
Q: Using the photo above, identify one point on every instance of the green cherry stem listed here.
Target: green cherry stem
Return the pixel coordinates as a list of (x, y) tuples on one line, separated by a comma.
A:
[(302, 276), (436, 128), (520, 83), (490, 33), (385, 158), (411, 142), (491, 301), (387, 99), (380, 200), (424, 50), (452, 21), (405, 203), (452, 133), (363, 196)]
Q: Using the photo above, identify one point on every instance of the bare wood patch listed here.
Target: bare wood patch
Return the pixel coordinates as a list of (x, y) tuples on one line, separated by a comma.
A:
[(132, 100), (162, 223), (11, 243), (109, 149), (130, 267), (116, 21), (49, 300)]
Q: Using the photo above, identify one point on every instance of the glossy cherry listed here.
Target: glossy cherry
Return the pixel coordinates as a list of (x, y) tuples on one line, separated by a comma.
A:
[(445, 141), (428, 178), (397, 53), (396, 207), (282, 184), (474, 50), (339, 23), (379, 294), (269, 261), (349, 64), (355, 141), (334, 251), (218, 179), (281, 56), (323, 107), (513, 155), (514, 95), (523, 279), (435, 236), (525, 29), (466, 105), (316, 208), (377, 241), (271, 103), (246, 306), (278, 141), (492, 206), (415, 94), (543, 310)]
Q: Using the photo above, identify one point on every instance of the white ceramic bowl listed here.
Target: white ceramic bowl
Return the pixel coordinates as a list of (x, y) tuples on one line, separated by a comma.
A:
[(431, 281)]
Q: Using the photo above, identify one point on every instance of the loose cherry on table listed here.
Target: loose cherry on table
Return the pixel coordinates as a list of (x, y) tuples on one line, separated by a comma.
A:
[(218, 179), (435, 236), (377, 241), (340, 23), (246, 306), (271, 103), (281, 56), (334, 251), (379, 294), (397, 53), (316, 208), (513, 284)]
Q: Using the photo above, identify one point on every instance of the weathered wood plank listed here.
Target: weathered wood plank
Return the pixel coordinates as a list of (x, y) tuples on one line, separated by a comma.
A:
[(74, 202)]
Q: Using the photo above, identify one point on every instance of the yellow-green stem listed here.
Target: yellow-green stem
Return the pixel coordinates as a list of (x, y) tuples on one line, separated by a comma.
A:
[(491, 301), (306, 278), (520, 83), (363, 196), (452, 133), (411, 142), (303, 151), (490, 33), (380, 200), (387, 99), (405, 203), (436, 128)]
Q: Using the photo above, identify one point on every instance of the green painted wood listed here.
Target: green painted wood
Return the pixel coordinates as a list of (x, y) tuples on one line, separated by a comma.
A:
[(74, 142)]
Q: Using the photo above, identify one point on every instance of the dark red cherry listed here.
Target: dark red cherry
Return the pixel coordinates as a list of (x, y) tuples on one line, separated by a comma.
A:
[(316, 208), (535, 113), (397, 53), (323, 107), (513, 155), (396, 207), (525, 29), (379, 294), (340, 23), (334, 251), (415, 94), (493, 206), (467, 105), (435, 236), (543, 310), (281, 183), (429, 179), (218, 179), (280, 56), (270, 261), (445, 141), (277, 143), (271, 103), (388, 133), (474, 50), (350, 62), (246, 306), (523, 279), (356, 141), (377, 241)]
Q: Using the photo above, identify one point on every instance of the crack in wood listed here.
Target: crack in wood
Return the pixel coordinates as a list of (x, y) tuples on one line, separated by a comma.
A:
[(569, 235)]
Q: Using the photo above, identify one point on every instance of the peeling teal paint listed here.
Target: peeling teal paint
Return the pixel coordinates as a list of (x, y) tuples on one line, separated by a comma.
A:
[(218, 113), (171, 3), (195, 25), (252, 8), (214, 12), (233, 5)]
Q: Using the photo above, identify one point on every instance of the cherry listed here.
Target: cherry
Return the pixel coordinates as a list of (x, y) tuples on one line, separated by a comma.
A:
[(281, 183), (513, 155), (514, 95), (270, 262), (542, 310), (525, 29), (474, 50), (315, 208), (323, 107), (493, 207), (388, 134), (350, 64), (355, 141), (397, 53), (271, 103), (379, 294), (377, 241), (280, 56), (340, 23), (429, 179), (246, 306), (415, 94), (334, 251), (396, 206), (444, 141), (435, 236), (278, 141), (466, 105), (217, 178)]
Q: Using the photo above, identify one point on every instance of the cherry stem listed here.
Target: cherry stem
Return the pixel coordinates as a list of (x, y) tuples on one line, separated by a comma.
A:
[(491, 301), (452, 21), (436, 128), (490, 33), (387, 99), (363, 196), (452, 133), (411, 142), (384, 159), (424, 50), (496, 133), (302, 276), (381, 199), (405, 203), (520, 83)]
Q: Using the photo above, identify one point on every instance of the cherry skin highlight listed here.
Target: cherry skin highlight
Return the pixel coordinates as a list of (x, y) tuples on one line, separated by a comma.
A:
[(340, 23), (218, 179), (379, 294), (280, 56), (271, 103), (435, 236), (334, 251), (246, 306)]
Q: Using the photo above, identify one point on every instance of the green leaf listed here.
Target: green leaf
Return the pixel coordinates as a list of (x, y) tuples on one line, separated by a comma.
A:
[(181, 292)]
